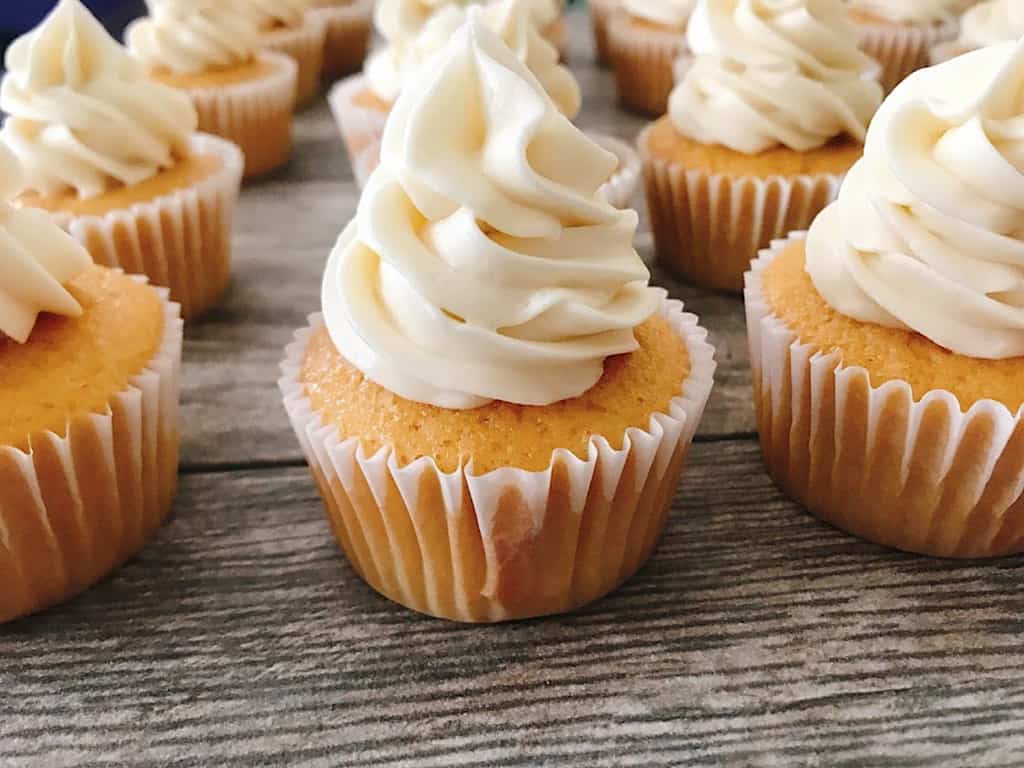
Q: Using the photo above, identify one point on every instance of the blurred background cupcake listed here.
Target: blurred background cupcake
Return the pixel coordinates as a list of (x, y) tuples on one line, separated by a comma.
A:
[(292, 28), (768, 115), (645, 37), (349, 26), (888, 346), (900, 34), (987, 23)]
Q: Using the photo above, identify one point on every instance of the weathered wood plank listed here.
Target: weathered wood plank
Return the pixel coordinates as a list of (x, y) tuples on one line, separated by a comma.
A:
[(755, 636)]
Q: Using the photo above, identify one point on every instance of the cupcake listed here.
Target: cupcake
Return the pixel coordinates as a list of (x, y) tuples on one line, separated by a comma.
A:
[(888, 346), (349, 24), (764, 122), (899, 34), (88, 410), (995, 21), (495, 404), (114, 157), (645, 37), (211, 50), (361, 104), (601, 12), (290, 27)]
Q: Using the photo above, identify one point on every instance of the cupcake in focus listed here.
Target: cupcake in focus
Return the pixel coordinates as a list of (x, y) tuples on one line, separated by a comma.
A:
[(290, 27), (988, 23), (348, 27), (88, 410), (211, 50), (769, 114), (899, 34), (888, 347), (495, 404), (361, 104), (645, 38), (114, 158)]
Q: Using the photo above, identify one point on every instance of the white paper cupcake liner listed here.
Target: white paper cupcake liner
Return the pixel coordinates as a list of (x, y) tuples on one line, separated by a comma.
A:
[(362, 128), (75, 507), (255, 115), (472, 547), (181, 240), (601, 12), (922, 476), (643, 58), (709, 227), (621, 187), (902, 50), (305, 45), (347, 42)]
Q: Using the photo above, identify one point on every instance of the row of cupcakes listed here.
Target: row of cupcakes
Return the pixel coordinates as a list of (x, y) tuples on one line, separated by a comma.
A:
[(643, 39)]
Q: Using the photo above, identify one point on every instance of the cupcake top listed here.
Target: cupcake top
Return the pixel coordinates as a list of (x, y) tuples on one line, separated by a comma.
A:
[(37, 259), (189, 37), (928, 231), (773, 72), (269, 14), (82, 114), (917, 12), (388, 70), (482, 263), (992, 22), (665, 13)]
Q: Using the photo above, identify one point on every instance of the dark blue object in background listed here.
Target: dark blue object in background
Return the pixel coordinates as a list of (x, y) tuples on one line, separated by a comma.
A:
[(19, 16)]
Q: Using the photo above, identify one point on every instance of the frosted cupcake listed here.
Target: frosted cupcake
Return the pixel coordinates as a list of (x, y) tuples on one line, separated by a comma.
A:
[(988, 23), (495, 404), (645, 37), (762, 126), (211, 49), (601, 13), (361, 104), (349, 24), (290, 27), (888, 347), (899, 34), (88, 407), (114, 157)]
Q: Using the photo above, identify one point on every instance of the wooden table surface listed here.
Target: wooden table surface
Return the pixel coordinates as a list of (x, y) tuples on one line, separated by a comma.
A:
[(241, 637)]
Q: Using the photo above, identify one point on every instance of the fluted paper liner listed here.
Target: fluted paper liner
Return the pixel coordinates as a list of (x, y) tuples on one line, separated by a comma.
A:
[(256, 115), (74, 508), (922, 476), (943, 52), (643, 58), (362, 128), (508, 544), (181, 240), (901, 49), (601, 12), (305, 46), (347, 42), (708, 227)]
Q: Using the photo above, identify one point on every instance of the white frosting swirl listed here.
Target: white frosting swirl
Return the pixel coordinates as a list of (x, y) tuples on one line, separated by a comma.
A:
[(928, 230), (771, 72), (919, 12), (482, 263), (992, 22), (37, 259), (513, 21), (193, 36), (82, 114), (666, 13)]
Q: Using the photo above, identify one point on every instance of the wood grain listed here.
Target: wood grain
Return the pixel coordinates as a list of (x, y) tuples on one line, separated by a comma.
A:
[(756, 635), (240, 637)]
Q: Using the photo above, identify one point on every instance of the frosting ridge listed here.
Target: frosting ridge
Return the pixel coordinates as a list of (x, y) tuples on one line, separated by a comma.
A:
[(991, 22), (37, 259), (926, 233), (193, 36), (482, 263), (82, 114), (771, 72), (666, 13), (920, 12)]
